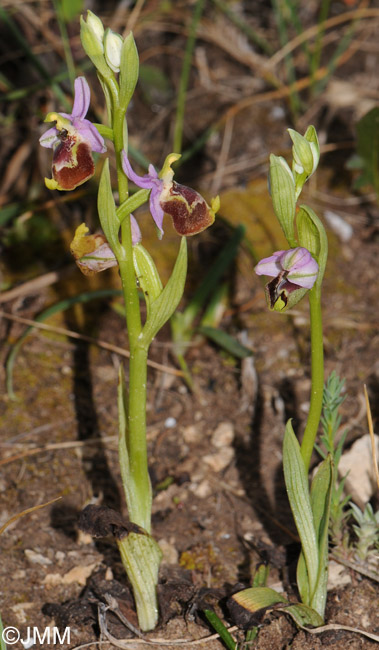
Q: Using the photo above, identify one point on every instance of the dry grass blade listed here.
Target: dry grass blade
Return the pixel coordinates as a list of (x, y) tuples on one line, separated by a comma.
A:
[(336, 626), (334, 21), (371, 431), (89, 339), (26, 512)]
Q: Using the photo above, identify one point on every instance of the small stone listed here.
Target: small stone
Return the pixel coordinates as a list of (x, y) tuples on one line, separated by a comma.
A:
[(170, 423), (338, 576), (60, 556), (108, 573), (36, 558), (201, 490), (223, 435), (358, 463), (220, 460), (192, 435), (170, 554)]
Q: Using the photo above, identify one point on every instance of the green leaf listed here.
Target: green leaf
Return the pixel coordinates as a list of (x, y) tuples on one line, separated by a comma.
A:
[(321, 494), (141, 557), (256, 598), (282, 188), (107, 211), (312, 236), (303, 615), (164, 306), (123, 432), (147, 275), (220, 628), (208, 284), (298, 493), (2, 642), (302, 579), (129, 68), (225, 341)]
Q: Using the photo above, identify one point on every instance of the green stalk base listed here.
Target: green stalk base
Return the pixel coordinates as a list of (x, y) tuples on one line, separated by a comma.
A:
[(141, 557)]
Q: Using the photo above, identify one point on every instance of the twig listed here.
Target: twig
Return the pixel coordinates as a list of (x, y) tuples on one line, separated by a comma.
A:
[(126, 643), (26, 512), (89, 339)]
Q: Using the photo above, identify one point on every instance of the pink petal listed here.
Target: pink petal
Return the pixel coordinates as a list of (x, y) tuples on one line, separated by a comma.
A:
[(270, 265), (82, 98), (90, 133)]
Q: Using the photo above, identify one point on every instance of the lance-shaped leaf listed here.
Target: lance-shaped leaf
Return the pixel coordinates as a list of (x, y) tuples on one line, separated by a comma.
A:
[(164, 306), (247, 606), (303, 615), (123, 452), (129, 70), (298, 494), (282, 189), (107, 211), (321, 491)]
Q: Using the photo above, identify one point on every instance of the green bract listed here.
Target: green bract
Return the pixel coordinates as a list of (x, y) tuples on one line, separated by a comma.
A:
[(282, 187), (129, 70)]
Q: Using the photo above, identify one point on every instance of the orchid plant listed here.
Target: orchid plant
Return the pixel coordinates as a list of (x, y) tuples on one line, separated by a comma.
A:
[(73, 139), (296, 273)]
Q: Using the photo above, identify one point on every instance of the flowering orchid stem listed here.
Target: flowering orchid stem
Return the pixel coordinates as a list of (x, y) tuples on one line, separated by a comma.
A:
[(139, 552), (317, 373)]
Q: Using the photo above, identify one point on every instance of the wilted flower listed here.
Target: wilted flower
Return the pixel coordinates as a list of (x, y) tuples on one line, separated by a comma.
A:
[(189, 211), (72, 139), (292, 270), (92, 252)]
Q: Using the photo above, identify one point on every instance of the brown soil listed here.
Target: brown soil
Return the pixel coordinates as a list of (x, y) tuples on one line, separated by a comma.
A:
[(220, 504)]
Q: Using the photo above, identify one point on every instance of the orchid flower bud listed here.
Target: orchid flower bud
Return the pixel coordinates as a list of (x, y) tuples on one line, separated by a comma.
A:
[(96, 26), (112, 49), (306, 156)]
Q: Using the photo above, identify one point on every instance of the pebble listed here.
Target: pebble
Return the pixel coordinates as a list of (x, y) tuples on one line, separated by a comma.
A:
[(220, 460), (36, 558), (170, 423), (358, 462), (223, 435)]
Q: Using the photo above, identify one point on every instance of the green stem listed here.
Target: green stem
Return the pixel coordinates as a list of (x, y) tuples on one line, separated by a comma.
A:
[(139, 504), (140, 509), (317, 374)]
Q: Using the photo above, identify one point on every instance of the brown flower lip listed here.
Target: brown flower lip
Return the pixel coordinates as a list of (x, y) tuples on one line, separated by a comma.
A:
[(72, 162)]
